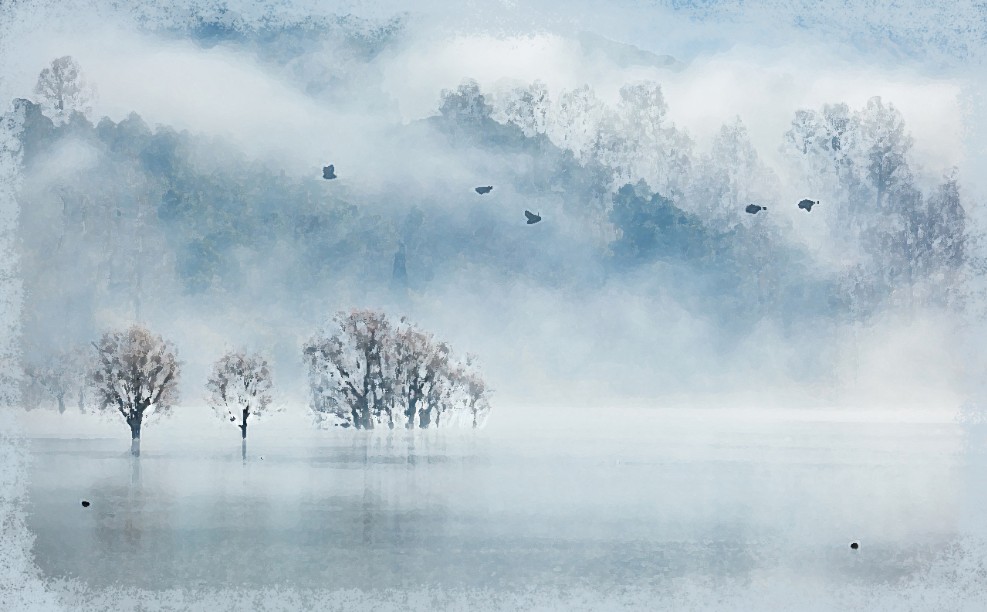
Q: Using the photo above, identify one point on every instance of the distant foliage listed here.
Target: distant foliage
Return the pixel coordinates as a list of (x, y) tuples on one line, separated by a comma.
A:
[(909, 246), (466, 104), (58, 377), (240, 388), (365, 372), (135, 373), (63, 90)]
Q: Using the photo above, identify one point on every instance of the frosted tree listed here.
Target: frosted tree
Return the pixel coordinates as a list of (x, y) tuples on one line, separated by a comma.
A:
[(365, 372), (421, 367), (466, 104), (884, 147), (653, 148), (350, 368), (62, 90), (890, 233), (135, 373), (240, 390), (471, 395), (59, 375), (610, 149), (578, 115), (825, 148), (528, 108), (730, 177)]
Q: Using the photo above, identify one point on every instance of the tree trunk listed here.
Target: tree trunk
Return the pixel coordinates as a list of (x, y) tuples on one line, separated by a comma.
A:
[(61, 403), (243, 434), (135, 438), (409, 412)]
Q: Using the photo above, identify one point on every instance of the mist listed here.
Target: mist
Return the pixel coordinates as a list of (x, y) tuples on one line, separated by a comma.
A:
[(182, 190)]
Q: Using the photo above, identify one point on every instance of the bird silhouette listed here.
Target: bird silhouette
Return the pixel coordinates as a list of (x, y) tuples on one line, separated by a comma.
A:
[(85, 504), (754, 208), (807, 205), (329, 172), (483, 190), (532, 217)]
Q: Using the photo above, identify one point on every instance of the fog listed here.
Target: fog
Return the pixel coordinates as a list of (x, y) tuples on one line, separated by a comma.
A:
[(647, 319)]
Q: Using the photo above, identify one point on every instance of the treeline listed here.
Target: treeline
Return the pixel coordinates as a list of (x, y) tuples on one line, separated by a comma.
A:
[(365, 372), (118, 218), (896, 242)]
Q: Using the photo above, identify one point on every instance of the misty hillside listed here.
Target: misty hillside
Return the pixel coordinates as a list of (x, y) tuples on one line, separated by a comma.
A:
[(125, 221)]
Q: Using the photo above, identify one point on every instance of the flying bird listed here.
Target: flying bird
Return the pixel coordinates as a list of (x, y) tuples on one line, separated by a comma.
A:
[(329, 172), (754, 208), (532, 217), (807, 205), (483, 190)]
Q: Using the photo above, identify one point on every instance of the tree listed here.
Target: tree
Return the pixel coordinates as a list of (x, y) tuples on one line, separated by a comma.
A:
[(59, 374), (472, 393), (731, 177), (365, 372), (240, 388), (135, 373), (528, 108), (62, 90), (351, 368), (906, 240), (655, 150), (579, 114), (421, 370), (465, 105), (885, 147)]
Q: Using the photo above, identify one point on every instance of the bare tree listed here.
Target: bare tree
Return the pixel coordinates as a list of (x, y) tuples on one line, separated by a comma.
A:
[(62, 90), (240, 388), (135, 372)]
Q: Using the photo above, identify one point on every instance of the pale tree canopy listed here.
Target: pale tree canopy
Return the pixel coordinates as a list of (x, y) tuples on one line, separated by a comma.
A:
[(135, 373), (366, 372), (350, 367), (240, 388), (62, 90)]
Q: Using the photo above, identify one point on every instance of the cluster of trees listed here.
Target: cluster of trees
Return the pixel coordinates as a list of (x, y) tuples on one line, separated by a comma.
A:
[(905, 243), (363, 373), (897, 241), (366, 371)]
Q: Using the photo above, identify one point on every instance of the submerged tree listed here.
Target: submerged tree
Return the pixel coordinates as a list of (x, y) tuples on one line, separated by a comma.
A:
[(365, 372), (135, 373), (350, 368), (472, 394), (240, 388), (62, 90), (421, 367)]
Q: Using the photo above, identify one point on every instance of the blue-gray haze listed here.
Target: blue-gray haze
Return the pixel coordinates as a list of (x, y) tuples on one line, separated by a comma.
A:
[(693, 406)]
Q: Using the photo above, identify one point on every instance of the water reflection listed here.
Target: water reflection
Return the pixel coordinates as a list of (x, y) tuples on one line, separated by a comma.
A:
[(407, 509)]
